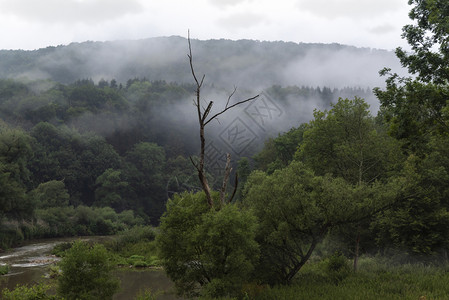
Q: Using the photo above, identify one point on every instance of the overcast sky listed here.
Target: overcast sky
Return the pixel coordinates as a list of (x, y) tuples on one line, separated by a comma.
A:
[(32, 24)]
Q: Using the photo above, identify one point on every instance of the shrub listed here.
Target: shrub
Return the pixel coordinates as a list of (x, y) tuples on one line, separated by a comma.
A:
[(4, 269), (338, 267), (86, 273), (137, 261), (59, 249), (34, 292), (209, 251)]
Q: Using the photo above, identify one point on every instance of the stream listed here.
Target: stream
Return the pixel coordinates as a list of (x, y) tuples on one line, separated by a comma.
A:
[(30, 264)]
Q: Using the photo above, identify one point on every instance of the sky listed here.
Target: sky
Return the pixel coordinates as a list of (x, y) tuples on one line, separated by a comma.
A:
[(32, 24)]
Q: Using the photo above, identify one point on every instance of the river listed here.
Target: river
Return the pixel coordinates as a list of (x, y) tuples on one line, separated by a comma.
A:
[(30, 264)]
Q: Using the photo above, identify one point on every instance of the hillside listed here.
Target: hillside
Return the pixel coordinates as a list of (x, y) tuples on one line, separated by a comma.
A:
[(244, 63)]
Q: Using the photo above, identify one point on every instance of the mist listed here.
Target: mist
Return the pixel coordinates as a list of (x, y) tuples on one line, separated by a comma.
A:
[(292, 79)]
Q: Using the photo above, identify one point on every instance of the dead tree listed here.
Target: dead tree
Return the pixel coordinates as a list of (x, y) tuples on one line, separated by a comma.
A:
[(203, 120)]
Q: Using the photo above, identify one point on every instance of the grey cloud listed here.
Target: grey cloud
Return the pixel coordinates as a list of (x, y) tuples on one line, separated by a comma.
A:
[(349, 8), (69, 11), (241, 20)]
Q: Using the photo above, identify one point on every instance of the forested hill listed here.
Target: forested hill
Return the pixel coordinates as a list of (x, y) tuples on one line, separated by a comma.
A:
[(244, 63)]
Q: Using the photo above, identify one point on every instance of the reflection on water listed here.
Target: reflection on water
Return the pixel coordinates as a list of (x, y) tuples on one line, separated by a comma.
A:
[(30, 264)]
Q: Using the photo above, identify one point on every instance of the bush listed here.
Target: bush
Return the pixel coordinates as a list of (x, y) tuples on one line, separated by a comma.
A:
[(137, 261), (209, 251), (4, 269), (59, 249), (338, 267), (86, 273)]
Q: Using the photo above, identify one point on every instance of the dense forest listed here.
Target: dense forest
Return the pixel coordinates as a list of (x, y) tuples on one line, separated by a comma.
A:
[(104, 149), (310, 193)]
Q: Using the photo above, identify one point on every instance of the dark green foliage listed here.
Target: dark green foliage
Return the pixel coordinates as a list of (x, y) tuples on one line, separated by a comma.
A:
[(59, 249), (50, 194), (346, 142), (137, 234), (4, 269), (338, 267), (296, 209), (205, 250), (416, 112), (279, 152), (86, 273), (135, 247), (111, 189), (15, 152), (83, 220)]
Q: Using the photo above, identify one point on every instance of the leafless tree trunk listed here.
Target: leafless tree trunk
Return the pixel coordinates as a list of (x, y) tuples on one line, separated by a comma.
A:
[(203, 120)]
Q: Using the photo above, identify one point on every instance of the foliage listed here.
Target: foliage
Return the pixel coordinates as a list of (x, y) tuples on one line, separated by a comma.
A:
[(346, 142), (135, 247), (428, 38), (34, 292), (83, 220), (416, 111), (296, 209), (50, 194), (279, 152), (338, 267), (206, 248), (86, 273), (15, 152), (418, 224), (59, 249), (4, 269)]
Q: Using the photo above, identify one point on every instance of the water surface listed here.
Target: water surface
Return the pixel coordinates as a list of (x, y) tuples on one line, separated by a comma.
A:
[(30, 264)]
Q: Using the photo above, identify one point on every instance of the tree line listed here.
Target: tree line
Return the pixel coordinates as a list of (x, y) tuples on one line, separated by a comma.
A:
[(72, 150)]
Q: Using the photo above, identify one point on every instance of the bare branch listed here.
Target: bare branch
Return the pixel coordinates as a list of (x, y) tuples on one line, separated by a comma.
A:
[(230, 96), (190, 56), (236, 184), (194, 163), (227, 108), (207, 111)]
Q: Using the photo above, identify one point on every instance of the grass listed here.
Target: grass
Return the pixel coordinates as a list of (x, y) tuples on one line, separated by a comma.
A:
[(135, 247), (374, 280)]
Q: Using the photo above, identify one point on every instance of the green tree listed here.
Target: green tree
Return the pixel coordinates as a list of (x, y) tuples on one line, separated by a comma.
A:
[(347, 142), (429, 40), (144, 171), (418, 224), (296, 209), (86, 273), (110, 190), (50, 194), (279, 152), (204, 250), (15, 153), (416, 111)]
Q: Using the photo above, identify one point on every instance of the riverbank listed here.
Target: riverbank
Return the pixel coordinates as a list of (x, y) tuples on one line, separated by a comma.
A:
[(34, 263)]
